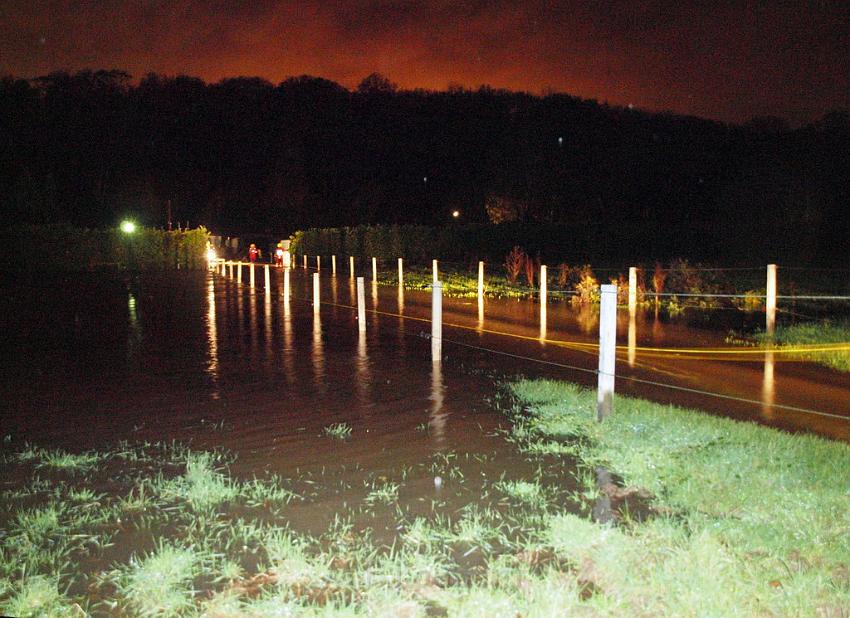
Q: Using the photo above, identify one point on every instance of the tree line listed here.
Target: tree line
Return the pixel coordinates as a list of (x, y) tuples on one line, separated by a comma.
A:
[(247, 156)]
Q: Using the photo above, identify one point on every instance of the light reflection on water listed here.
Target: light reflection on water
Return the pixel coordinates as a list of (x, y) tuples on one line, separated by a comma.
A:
[(198, 353), (212, 338)]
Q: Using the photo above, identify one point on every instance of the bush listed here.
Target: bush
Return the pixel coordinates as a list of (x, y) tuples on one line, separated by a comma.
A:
[(66, 248)]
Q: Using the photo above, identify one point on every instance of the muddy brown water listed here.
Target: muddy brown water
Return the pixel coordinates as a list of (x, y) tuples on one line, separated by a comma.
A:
[(91, 359)]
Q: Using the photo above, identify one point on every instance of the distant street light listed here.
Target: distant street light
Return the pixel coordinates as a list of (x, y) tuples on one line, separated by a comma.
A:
[(128, 227), (455, 213)]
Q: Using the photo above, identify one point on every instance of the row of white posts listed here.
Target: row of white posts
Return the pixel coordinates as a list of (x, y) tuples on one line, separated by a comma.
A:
[(607, 313), (434, 267), (770, 304)]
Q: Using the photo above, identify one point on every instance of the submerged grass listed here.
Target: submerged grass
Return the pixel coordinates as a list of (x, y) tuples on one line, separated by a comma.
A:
[(826, 331), (749, 520), (742, 520)]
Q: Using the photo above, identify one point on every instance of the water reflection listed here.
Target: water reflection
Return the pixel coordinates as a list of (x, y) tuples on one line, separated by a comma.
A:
[(480, 325), (212, 338), (318, 353), (587, 318), (288, 344), (134, 334), (543, 322), (437, 417), (252, 319), (363, 370), (267, 322), (767, 388), (400, 300)]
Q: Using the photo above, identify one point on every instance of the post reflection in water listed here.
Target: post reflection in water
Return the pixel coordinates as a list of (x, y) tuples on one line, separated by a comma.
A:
[(632, 339), (543, 323), (375, 300), (437, 418), (286, 285), (288, 344), (318, 353), (212, 338), (134, 335), (252, 318), (768, 392), (267, 321), (363, 372), (402, 342), (480, 325)]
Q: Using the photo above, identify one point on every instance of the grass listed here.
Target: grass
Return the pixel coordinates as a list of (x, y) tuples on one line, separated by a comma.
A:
[(738, 520), (338, 431), (749, 520), (825, 332)]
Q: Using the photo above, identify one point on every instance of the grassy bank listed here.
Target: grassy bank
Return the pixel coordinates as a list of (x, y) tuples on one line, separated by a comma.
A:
[(825, 332), (712, 517), (740, 519)]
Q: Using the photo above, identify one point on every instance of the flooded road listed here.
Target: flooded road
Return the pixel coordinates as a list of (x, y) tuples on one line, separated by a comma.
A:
[(196, 356)]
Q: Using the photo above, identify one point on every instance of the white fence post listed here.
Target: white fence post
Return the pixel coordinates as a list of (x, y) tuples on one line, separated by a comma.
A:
[(252, 274), (318, 262), (305, 261), (239, 271), (230, 269), (400, 273), (351, 266), (770, 326), (480, 279), (361, 305), (333, 264), (632, 290), (267, 279), (543, 300), (374, 270), (436, 272), (437, 321), (316, 298), (607, 351)]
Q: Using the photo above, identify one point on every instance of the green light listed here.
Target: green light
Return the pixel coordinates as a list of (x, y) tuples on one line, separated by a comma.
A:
[(128, 227)]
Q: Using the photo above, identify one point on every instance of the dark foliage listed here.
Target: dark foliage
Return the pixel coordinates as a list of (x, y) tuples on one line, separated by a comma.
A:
[(243, 155)]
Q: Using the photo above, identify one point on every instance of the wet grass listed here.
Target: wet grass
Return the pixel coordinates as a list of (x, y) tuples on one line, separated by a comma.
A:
[(338, 431), (746, 520), (826, 331), (712, 517)]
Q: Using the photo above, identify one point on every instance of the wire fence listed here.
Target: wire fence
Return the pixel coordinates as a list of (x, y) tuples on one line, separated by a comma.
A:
[(591, 348)]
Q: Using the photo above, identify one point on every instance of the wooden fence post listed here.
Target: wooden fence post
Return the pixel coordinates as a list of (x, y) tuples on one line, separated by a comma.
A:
[(400, 273), (480, 279), (770, 326), (607, 351), (437, 321), (316, 299), (632, 290), (361, 305)]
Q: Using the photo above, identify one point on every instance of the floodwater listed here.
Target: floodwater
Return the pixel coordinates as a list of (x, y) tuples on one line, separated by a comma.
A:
[(91, 359)]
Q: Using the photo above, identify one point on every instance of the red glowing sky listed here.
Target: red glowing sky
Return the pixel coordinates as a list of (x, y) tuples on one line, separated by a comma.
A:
[(727, 60)]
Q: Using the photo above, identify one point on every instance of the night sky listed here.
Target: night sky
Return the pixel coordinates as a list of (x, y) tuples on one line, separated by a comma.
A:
[(724, 60)]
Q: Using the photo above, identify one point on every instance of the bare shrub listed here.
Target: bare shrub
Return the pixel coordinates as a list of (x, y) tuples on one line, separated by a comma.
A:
[(514, 262), (532, 265)]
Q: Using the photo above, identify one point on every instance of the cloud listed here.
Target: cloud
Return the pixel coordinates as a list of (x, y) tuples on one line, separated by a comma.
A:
[(729, 60)]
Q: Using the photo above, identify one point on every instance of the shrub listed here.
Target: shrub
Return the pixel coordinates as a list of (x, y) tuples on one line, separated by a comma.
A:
[(514, 263)]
